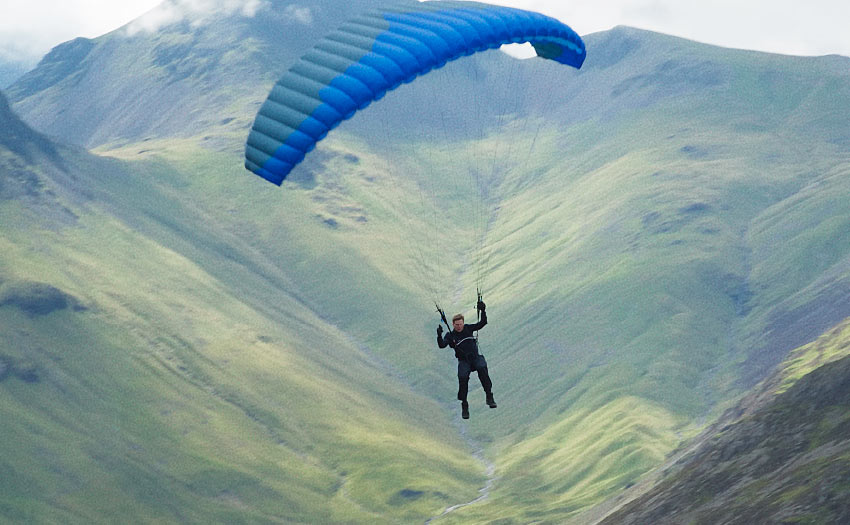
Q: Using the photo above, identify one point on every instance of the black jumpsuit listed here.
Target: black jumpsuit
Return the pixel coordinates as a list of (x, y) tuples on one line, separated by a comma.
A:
[(468, 358)]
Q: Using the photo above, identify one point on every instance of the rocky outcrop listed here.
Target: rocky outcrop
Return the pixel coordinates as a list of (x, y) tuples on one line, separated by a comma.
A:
[(787, 462)]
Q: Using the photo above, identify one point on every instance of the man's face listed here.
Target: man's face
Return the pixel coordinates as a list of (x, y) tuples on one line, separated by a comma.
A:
[(458, 324)]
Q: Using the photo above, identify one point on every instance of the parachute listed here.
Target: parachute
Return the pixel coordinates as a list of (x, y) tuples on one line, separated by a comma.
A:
[(378, 51)]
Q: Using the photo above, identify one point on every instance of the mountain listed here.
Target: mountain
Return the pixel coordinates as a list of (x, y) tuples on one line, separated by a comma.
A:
[(662, 228), (779, 456)]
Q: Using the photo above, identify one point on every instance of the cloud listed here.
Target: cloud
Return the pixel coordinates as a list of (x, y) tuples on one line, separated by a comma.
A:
[(300, 14), (196, 12), (26, 34)]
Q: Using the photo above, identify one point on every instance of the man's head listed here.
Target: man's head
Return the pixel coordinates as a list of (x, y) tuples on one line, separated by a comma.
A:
[(457, 322)]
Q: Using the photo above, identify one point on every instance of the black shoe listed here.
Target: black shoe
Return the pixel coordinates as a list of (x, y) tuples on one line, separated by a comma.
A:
[(490, 401), (464, 410)]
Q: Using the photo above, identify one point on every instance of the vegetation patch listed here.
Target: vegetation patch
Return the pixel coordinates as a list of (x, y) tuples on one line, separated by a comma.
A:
[(37, 299), (403, 496), (26, 371), (5, 367)]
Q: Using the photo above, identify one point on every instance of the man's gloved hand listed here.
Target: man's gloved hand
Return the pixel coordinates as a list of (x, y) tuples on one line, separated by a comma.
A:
[(439, 331), (481, 306)]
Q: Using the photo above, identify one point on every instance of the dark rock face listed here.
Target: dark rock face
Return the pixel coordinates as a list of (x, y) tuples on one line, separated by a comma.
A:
[(787, 462)]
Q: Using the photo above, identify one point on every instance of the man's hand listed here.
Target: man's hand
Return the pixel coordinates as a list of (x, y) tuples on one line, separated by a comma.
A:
[(481, 306), (439, 331)]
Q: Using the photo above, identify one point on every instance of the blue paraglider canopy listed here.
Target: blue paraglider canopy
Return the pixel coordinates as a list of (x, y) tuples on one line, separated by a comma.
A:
[(375, 53)]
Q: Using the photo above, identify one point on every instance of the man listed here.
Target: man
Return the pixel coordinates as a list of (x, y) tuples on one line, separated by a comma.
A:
[(465, 345)]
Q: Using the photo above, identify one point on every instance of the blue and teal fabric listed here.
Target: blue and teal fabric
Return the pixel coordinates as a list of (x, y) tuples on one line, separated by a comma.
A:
[(375, 53)]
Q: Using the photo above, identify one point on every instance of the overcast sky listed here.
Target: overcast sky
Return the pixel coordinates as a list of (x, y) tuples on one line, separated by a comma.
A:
[(30, 28)]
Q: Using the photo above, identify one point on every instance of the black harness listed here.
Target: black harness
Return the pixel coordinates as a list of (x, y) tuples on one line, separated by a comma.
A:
[(452, 343)]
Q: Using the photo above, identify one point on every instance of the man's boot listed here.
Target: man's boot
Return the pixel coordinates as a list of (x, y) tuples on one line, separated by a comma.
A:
[(490, 401), (464, 410)]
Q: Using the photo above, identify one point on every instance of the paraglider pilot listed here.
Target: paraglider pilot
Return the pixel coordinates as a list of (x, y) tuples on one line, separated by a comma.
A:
[(465, 344)]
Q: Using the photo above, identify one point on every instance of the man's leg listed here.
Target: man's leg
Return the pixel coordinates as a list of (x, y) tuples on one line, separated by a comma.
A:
[(463, 370), (486, 383)]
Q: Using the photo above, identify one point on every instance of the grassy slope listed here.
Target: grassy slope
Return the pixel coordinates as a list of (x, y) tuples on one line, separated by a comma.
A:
[(194, 391), (831, 346)]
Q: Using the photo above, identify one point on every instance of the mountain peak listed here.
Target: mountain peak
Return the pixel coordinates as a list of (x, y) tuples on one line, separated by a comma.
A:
[(196, 13), (63, 61)]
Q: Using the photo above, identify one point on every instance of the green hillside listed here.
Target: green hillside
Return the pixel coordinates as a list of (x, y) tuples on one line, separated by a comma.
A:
[(660, 231), (156, 367)]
